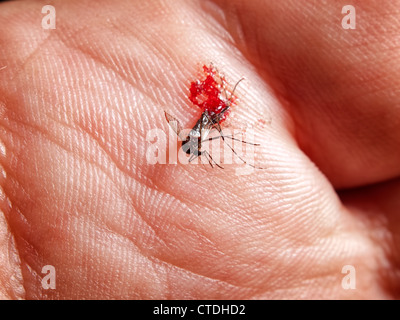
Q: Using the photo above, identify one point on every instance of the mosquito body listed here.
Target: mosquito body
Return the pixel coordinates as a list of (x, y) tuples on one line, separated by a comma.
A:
[(208, 121), (192, 143)]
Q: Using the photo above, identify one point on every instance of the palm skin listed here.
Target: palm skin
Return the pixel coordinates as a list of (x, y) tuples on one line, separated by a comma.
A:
[(77, 193)]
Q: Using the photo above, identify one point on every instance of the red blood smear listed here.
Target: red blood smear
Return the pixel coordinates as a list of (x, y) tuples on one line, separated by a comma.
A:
[(209, 94)]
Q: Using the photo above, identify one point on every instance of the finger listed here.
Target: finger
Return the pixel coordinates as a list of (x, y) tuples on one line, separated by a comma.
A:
[(339, 85)]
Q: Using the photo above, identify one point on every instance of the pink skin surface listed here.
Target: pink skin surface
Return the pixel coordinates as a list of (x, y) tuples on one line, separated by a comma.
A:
[(77, 192)]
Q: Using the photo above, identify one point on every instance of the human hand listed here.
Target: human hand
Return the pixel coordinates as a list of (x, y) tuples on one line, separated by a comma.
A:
[(77, 102)]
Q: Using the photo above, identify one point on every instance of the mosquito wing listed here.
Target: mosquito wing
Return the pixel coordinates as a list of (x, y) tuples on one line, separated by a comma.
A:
[(175, 125)]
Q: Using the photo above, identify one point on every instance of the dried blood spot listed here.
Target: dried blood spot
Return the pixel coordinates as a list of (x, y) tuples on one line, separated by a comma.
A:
[(211, 93)]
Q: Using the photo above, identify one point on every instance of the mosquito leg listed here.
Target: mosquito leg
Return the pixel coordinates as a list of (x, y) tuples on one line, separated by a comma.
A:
[(210, 160), (234, 88), (205, 165), (242, 141), (230, 137), (192, 157), (218, 127)]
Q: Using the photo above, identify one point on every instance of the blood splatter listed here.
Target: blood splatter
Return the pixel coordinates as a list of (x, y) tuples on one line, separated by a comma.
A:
[(211, 93)]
